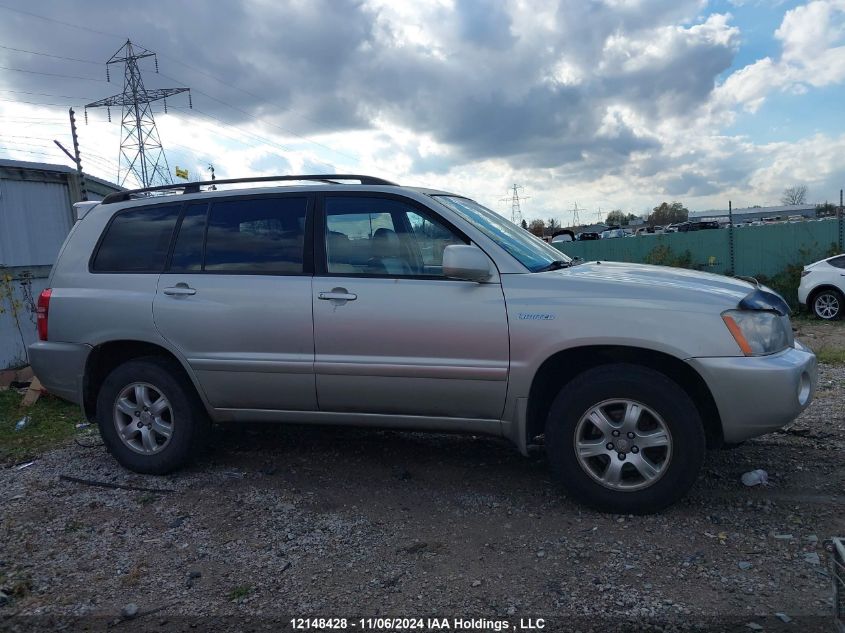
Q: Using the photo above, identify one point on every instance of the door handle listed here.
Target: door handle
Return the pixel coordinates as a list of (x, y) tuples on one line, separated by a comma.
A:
[(180, 290), (337, 294)]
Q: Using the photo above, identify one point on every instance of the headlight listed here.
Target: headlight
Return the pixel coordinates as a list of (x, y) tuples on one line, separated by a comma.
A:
[(758, 332)]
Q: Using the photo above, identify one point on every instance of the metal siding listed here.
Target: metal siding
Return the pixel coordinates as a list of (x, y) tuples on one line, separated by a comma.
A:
[(35, 218), (759, 250), (12, 350)]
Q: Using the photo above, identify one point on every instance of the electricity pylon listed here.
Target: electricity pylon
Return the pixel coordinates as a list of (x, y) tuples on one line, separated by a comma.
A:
[(141, 153), (516, 210)]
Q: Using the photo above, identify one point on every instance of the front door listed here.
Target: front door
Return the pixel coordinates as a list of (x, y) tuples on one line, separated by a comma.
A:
[(392, 334), (236, 301)]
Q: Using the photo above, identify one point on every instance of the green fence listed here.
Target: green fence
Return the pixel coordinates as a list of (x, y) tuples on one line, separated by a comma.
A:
[(765, 251)]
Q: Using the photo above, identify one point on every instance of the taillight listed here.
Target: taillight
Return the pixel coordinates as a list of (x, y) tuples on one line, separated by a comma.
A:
[(42, 312)]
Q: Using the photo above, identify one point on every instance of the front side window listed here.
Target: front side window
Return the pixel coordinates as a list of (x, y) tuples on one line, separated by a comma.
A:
[(383, 236), (137, 240), (258, 235)]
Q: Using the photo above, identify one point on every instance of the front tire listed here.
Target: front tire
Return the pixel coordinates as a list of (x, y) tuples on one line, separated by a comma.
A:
[(149, 415), (625, 439), (828, 304)]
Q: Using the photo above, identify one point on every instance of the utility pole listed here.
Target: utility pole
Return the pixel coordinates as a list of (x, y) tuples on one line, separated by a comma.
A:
[(141, 153), (731, 251), (75, 157), (83, 188), (840, 219), (516, 210), (211, 168)]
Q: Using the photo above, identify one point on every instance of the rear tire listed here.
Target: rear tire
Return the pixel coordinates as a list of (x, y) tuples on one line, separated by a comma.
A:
[(150, 416), (827, 304), (625, 439)]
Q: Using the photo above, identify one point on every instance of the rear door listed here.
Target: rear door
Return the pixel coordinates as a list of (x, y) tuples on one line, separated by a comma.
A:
[(393, 335), (235, 299)]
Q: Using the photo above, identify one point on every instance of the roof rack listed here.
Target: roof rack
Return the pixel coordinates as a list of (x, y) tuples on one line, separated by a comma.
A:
[(194, 187)]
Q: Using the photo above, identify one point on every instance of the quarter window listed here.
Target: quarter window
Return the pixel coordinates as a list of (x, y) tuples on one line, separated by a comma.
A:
[(137, 240)]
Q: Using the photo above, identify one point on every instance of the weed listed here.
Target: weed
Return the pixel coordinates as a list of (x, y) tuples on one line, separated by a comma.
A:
[(240, 592)]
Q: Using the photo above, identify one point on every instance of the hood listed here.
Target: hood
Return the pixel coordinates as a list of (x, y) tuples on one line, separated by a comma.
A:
[(647, 282)]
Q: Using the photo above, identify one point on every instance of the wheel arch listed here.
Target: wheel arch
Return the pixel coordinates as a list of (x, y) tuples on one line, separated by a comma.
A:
[(561, 367), (104, 357)]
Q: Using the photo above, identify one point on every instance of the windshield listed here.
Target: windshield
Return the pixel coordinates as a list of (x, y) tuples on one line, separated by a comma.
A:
[(527, 248)]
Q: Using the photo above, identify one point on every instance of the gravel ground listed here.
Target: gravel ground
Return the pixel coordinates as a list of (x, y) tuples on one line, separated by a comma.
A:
[(276, 522)]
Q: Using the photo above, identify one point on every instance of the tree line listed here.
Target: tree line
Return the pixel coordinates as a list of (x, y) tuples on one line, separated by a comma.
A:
[(662, 215)]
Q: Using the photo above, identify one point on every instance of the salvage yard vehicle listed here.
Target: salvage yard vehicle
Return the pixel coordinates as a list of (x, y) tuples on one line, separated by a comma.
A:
[(349, 300), (822, 288)]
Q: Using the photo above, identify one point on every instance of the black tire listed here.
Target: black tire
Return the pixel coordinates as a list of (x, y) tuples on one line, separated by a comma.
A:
[(189, 422), (833, 295), (650, 388)]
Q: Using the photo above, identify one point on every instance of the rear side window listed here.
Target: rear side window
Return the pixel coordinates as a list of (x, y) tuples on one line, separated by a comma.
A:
[(137, 240), (259, 235), (838, 262)]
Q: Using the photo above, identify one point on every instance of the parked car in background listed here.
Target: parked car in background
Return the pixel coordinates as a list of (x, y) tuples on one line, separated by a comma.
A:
[(612, 233), (703, 225), (588, 235), (372, 304), (649, 230), (822, 288), (564, 235)]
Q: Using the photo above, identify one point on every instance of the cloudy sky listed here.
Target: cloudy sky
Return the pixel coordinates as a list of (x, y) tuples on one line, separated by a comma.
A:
[(604, 103)]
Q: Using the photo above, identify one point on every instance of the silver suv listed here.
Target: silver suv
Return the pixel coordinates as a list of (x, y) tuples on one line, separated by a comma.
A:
[(350, 300)]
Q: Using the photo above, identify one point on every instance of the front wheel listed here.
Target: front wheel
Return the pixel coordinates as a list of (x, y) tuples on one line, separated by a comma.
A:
[(828, 304), (625, 439)]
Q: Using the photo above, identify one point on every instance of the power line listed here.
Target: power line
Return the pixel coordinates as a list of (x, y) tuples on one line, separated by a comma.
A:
[(38, 103), (43, 94), (37, 72), (278, 127), (41, 17), (72, 59)]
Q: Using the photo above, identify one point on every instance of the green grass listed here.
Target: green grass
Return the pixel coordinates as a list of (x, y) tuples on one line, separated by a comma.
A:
[(831, 356), (240, 592), (52, 422)]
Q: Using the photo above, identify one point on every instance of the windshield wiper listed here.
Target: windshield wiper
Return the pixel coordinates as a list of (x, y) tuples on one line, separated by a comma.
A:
[(555, 265)]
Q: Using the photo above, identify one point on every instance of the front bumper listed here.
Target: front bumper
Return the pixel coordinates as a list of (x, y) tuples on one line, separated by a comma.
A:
[(759, 394), (60, 367)]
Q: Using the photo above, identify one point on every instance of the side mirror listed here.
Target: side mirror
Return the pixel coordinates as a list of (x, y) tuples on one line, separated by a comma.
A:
[(466, 262)]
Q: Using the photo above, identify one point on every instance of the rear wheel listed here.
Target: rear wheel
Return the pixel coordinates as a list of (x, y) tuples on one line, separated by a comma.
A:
[(624, 438), (149, 415), (828, 304)]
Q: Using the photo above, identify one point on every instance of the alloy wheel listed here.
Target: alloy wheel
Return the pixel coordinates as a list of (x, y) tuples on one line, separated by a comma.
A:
[(623, 444)]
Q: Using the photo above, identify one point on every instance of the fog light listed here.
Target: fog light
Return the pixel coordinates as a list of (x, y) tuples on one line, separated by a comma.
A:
[(804, 389)]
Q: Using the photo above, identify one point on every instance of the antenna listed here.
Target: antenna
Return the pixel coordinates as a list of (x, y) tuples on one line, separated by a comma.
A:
[(516, 210), (141, 153)]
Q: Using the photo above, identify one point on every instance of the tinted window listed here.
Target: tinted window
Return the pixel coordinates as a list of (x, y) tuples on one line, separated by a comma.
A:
[(187, 253), (137, 240), (380, 236), (262, 235), (838, 262)]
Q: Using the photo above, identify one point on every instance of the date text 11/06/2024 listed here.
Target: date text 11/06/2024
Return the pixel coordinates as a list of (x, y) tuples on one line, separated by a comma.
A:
[(417, 624)]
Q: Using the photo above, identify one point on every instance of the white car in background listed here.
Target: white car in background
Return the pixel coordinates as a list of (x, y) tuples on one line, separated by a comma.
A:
[(822, 288)]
